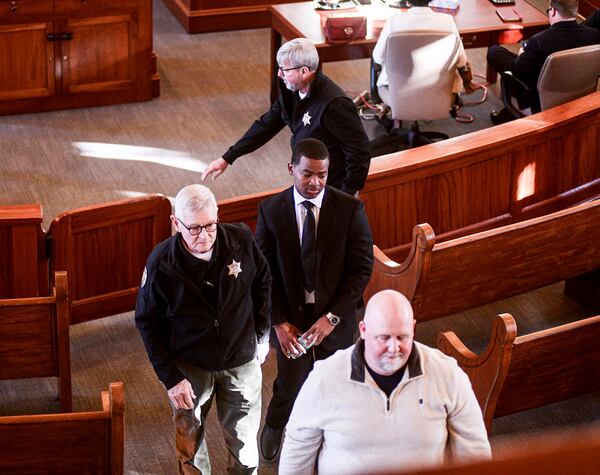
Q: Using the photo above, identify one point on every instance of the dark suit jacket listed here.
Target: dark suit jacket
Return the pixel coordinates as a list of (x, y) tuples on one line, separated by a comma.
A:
[(344, 260), (560, 36)]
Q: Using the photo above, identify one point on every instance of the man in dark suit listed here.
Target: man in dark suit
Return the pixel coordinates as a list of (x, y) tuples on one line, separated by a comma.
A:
[(318, 243), (564, 33)]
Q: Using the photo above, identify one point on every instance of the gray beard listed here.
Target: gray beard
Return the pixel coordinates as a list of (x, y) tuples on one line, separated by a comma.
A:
[(390, 366)]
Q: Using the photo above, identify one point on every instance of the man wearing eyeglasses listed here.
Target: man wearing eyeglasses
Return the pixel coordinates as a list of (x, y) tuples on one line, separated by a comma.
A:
[(312, 106), (203, 311), (564, 33)]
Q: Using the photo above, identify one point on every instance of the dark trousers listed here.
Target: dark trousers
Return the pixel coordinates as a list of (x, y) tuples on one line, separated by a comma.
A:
[(500, 58), (291, 373)]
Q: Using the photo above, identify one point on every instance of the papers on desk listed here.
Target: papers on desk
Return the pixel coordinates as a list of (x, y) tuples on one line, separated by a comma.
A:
[(449, 4), (334, 5)]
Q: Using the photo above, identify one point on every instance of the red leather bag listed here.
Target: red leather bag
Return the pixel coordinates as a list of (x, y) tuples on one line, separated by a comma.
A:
[(343, 29)]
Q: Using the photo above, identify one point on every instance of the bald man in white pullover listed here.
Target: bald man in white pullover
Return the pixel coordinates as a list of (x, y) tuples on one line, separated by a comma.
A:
[(386, 403)]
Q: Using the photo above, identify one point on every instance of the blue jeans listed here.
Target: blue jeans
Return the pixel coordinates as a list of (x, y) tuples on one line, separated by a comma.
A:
[(238, 399)]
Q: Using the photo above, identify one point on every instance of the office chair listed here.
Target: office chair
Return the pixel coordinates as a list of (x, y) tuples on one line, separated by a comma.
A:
[(565, 75), (421, 67)]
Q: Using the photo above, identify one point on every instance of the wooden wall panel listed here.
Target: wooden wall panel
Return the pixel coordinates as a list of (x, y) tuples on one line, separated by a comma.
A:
[(21, 359), (104, 249), (23, 261), (488, 266)]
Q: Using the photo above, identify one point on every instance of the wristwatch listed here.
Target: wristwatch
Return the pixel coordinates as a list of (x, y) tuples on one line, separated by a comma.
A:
[(333, 319)]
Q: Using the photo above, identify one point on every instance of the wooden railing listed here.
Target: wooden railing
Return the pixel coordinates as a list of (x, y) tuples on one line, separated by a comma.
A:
[(517, 373), (69, 443), (504, 174)]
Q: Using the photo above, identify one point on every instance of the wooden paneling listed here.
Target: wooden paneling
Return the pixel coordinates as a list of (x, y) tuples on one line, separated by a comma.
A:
[(99, 57), (23, 262), (17, 9), (478, 181), (69, 444), (35, 339), (104, 248), (572, 452), (27, 61), (469, 271), (202, 16), (59, 54), (514, 374)]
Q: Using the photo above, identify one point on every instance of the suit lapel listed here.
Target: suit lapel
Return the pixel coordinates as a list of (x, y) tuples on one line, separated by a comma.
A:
[(288, 222), (326, 218)]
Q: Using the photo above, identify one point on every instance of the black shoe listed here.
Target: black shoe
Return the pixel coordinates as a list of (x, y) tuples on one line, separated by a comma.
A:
[(270, 443), (501, 116)]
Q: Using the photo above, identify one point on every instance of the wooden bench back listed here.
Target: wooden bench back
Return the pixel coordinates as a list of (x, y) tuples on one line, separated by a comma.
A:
[(35, 339), (75, 443), (104, 248), (466, 272), (573, 452), (23, 261), (515, 373), (492, 177)]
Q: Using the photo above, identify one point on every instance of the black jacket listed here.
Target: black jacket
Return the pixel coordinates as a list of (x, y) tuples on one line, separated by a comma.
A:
[(344, 261), (560, 36), (327, 114), (593, 20), (212, 319)]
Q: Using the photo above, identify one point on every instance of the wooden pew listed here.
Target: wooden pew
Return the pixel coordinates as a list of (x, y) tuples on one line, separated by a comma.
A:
[(34, 336), (516, 373), (74, 443), (23, 262), (572, 452), (104, 248), (473, 270), (504, 174)]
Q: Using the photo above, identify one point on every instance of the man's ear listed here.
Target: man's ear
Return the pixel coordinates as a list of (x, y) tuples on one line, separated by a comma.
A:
[(175, 222), (290, 168), (361, 329)]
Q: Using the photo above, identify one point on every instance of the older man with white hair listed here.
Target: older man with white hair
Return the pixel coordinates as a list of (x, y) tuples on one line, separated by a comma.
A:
[(312, 106), (387, 403), (203, 311)]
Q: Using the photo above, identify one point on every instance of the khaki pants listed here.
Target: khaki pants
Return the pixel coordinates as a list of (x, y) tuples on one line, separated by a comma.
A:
[(238, 397)]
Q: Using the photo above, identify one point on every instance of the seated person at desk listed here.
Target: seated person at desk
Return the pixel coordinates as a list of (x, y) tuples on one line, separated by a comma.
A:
[(420, 17), (564, 33)]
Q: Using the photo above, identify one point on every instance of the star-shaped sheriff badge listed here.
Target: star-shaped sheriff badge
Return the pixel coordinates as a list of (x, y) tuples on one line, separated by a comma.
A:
[(234, 268), (306, 118)]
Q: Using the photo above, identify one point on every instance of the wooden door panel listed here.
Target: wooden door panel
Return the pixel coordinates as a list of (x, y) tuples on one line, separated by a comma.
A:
[(100, 55), (27, 61)]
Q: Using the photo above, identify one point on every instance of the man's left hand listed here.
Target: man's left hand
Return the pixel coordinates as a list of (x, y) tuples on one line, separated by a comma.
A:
[(319, 331)]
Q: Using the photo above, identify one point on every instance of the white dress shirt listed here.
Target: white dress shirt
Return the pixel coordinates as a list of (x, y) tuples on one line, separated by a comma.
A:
[(301, 216)]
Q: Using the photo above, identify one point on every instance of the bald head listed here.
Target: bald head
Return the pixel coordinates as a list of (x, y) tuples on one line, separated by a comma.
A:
[(388, 330)]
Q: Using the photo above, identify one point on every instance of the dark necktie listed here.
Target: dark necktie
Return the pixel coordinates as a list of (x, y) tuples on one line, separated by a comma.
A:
[(308, 256)]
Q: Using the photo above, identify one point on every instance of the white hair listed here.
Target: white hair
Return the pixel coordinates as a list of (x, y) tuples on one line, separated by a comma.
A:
[(192, 199), (299, 52)]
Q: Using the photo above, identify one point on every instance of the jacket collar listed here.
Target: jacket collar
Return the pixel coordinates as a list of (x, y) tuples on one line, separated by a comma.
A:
[(316, 85), (357, 362)]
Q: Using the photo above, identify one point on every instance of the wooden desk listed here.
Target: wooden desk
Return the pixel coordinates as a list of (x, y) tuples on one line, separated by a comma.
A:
[(477, 21)]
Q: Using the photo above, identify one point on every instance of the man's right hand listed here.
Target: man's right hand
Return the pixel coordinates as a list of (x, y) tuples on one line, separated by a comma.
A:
[(287, 334), (215, 168), (182, 395)]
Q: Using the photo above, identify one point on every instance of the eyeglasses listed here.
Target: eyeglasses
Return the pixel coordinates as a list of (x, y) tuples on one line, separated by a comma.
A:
[(196, 230), (283, 70)]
